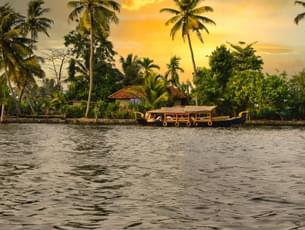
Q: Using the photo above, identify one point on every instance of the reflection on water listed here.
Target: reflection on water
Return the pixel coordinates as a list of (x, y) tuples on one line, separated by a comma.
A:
[(75, 177)]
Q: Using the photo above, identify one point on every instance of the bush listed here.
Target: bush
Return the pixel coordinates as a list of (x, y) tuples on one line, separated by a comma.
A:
[(75, 111)]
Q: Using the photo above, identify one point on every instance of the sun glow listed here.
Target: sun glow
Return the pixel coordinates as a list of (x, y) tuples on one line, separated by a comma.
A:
[(137, 4)]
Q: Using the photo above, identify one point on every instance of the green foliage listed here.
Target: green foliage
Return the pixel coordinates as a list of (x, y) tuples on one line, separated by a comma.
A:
[(297, 91), (35, 21), (245, 57), (208, 90), (189, 17), (242, 90), (155, 92), (147, 66), (222, 63), (106, 78), (173, 69), (131, 70), (75, 111), (273, 95)]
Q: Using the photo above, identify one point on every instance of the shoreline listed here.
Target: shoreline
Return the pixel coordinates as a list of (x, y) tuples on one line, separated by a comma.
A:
[(92, 121)]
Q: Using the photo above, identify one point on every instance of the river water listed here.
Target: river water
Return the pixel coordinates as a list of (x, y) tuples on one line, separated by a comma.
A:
[(132, 177)]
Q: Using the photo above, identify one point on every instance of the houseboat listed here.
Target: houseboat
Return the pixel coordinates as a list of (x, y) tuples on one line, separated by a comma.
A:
[(190, 116)]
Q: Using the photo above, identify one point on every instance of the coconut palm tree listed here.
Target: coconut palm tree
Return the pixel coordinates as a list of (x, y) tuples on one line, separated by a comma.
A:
[(155, 91), (3, 98), (172, 74), (148, 66), (14, 47), (35, 22), (93, 15), (131, 70), (300, 16), (187, 18)]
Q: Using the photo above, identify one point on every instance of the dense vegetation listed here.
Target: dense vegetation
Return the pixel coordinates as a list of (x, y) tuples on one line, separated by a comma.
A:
[(84, 73)]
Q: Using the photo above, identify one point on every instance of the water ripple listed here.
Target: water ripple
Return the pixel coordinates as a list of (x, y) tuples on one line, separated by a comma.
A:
[(125, 177)]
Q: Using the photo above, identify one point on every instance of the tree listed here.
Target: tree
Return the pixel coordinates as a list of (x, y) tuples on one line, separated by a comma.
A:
[(147, 66), (14, 48), (245, 58), (188, 17), (297, 91), (173, 69), (131, 70), (3, 98), (155, 91), (94, 15), (273, 96), (57, 60), (300, 16), (222, 63), (106, 78), (35, 21), (34, 24), (208, 90), (244, 91)]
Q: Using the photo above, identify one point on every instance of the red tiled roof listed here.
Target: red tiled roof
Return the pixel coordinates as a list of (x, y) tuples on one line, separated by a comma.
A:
[(136, 91), (129, 92)]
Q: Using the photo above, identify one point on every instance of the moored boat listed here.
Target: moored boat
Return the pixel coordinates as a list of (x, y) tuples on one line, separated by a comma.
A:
[(190, 116)]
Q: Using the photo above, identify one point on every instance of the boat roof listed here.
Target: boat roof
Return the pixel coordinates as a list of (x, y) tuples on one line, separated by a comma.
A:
[(185, 109)]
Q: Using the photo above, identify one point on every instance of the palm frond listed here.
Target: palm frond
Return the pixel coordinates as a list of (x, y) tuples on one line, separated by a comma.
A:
[(299, 17)]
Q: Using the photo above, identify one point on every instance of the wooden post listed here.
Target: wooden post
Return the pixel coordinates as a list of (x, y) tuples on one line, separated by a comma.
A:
[(2, 113)]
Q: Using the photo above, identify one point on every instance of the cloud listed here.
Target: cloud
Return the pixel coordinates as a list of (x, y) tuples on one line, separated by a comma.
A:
[(137, 4), (273, 48)]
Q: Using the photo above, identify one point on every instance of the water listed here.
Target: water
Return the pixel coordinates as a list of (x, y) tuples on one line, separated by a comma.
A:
[(87, 177)]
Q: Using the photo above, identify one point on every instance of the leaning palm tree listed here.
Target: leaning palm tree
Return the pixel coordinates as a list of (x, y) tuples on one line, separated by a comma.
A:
[(173, 69), (93, 15), (189, 17), (300, 16), (148, 66)]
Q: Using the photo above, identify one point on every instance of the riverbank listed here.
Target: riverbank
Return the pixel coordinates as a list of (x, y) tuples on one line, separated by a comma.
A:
[(90, 121), (81, 121)]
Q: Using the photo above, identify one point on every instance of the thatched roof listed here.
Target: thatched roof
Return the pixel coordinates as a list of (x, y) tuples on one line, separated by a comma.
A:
[(185, 109)]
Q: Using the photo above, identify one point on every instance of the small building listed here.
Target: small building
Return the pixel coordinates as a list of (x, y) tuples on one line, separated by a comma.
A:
[(135, 94)]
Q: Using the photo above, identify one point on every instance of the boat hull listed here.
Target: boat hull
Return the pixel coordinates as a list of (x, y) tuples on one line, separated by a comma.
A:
[(227, 122)]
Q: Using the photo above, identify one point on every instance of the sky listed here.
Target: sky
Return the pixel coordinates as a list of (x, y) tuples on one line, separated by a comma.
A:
[(142, 31)]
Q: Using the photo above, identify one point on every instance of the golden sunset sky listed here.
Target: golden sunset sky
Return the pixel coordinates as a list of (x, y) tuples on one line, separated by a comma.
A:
[(141, 31)]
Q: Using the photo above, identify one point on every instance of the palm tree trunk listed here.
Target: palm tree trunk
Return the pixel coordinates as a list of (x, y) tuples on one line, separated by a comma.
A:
[(11, 88), (192, 54), (90, 68), (2, 113), (21, 93), (193, 60)]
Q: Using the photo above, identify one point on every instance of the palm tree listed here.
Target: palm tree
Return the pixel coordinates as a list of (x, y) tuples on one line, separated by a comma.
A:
[(3, 98), (14, 47), (25, 77), (188, 17), (300, 16), (148, 65), (93, 15), (155, 91), (34, 24), (131, 70), (172, 73), (35, 21)]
